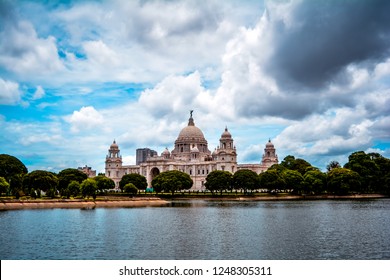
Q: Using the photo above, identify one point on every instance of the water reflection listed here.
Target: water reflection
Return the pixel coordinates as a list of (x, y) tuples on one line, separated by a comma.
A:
[(212, 203)]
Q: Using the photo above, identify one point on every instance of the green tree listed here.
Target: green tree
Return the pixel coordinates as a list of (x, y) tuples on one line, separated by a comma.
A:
[(12, 170), (4, 185), (288, 162), (137, 180), (341, 181), (333, 164), (68, 175), (383, 177), (130, 189), (73, 189), (218, 180), (104, 183), (293, 180), (367, 168), (300, 165), (314, 181), (88, 188), (171, 181), (40, 179), (278, 167), (33, 193), (245, 179), (272, 180), (51, 193)]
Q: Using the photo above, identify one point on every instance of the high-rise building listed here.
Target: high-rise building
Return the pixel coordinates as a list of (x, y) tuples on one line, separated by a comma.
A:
[(143, 154)]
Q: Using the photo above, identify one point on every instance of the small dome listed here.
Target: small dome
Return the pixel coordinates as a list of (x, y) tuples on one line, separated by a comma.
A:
[(269, 144), (166, 152), (226, 134), (114, 145)]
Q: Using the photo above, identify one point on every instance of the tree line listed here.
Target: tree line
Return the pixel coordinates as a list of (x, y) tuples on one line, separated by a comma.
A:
[(16, 181), (363, 173)]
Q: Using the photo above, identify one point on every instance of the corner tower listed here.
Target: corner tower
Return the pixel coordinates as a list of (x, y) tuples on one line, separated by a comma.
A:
[(269, 157), (226, 155), (113, 168)]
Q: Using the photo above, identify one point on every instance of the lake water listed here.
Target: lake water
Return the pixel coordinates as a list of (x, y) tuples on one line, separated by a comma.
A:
[(326, 229)]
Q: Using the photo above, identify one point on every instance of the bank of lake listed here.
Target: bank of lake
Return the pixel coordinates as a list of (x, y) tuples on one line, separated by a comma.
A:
[(158, 200)]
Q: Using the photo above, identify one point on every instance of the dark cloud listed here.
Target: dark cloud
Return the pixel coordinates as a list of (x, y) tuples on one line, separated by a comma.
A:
[(9, 31), (276, 106), (327, 36)]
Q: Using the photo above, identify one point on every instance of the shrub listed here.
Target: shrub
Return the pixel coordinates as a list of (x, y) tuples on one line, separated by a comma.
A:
[(130, 188)]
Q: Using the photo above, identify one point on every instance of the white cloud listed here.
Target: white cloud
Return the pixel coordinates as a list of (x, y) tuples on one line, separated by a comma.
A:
[(45, 105), (86, 119), (9, 93), (39, 93), (338, 132), (142, 42), (24, 53), (175, 96), (28, 140), (382, 69), (100, 55)]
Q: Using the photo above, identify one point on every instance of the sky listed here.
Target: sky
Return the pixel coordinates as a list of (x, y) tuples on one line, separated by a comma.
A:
[(312, 76)]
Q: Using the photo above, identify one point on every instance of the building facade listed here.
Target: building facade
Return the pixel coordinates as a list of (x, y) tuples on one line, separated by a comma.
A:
[(190, 155)]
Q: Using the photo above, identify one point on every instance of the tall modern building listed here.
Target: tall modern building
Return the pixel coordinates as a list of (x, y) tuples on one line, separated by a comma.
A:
[(191, 155), (143, 154)]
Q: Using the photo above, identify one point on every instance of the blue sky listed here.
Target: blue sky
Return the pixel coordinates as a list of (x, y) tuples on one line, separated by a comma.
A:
[(313, 76)]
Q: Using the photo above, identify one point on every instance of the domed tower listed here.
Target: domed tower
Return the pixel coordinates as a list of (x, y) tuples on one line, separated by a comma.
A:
[(226, 141), (114, 164), (269, 157), (190, 140), (226, 153), (166, 154)]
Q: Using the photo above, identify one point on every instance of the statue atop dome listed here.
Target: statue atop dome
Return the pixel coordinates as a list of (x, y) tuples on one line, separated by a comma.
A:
[(191, 120)]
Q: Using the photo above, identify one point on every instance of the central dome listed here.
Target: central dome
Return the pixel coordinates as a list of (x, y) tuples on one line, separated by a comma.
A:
[(191, 132), (190, 137)]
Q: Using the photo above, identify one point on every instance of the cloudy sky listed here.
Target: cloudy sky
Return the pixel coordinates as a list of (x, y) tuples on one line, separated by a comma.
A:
[(313, 76)]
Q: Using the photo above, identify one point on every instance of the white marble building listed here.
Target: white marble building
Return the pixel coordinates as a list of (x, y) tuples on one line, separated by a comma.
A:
[(191, 155)]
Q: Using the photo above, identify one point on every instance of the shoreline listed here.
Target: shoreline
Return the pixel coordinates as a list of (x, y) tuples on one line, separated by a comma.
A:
[(112, 202), (80, 203)]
